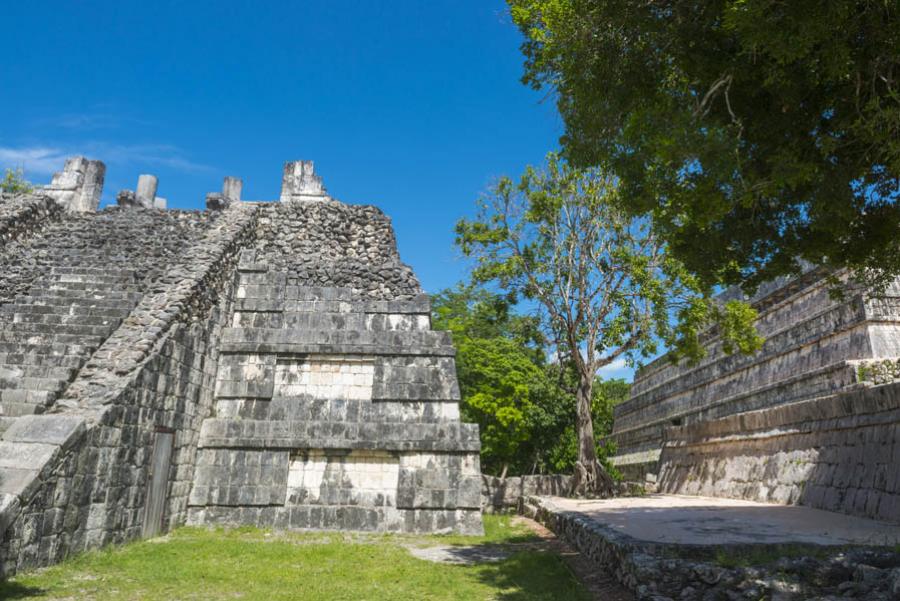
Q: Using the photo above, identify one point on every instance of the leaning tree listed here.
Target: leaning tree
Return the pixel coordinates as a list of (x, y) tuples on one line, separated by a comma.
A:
[(601, 281)]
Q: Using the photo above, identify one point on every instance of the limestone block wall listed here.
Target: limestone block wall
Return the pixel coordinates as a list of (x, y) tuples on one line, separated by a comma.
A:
[(814, 345), (839, 452), (334, 410), (507, 494)]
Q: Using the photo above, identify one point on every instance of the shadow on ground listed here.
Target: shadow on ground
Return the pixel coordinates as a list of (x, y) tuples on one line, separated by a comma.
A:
[(14, 590), (523, 577)]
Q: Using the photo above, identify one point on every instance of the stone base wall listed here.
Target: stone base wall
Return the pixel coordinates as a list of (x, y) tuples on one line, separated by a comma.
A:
[(839, 453), (505, 494), (816, 345)]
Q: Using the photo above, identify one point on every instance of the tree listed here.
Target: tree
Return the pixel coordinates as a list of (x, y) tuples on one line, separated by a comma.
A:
[(523, 403), (14, 183), (499, 362), (605, 286), (755, 132)]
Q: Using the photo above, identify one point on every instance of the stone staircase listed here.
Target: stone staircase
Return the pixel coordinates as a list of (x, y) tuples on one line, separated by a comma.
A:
[(48, 333)]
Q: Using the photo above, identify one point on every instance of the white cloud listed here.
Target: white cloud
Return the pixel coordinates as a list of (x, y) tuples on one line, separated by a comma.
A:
[(616, 369), (165, 155), (44, 160), (39, 160)]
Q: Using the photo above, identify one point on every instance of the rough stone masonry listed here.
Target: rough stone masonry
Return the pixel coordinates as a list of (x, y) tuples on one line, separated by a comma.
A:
[(264, 363), (813, 418)]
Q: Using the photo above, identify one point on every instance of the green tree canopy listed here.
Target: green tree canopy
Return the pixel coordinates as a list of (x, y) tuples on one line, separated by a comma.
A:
[(523, 403), (604, 282), (755, 132)]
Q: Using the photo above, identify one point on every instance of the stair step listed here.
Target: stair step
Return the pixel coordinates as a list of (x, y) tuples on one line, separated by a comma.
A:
[(41, 360), (36, 292), (42, 348), (12, 409), (93, 278), (10, 371), (35, 338), (85, 270), (24, 396), (28, 328), (67, 319), (96, 307), (32, 384), (5, 423)]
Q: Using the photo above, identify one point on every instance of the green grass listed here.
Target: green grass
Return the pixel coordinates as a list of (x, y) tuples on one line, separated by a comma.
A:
[(248, 563)]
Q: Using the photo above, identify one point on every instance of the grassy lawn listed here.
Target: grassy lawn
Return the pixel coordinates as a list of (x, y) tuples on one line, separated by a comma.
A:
[(247, 563)]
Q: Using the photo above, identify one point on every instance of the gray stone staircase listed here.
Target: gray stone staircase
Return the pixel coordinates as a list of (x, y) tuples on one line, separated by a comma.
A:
[(48, 333)]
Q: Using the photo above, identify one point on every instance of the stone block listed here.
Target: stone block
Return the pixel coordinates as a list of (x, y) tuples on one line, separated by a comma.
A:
[(59, 430)]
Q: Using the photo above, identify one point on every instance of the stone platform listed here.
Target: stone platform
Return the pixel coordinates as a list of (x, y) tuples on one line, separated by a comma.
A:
[(686, 520), (666, 547)]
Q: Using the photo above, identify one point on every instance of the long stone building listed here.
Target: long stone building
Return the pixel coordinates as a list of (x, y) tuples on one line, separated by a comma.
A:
[(264, 363), (813, 418)]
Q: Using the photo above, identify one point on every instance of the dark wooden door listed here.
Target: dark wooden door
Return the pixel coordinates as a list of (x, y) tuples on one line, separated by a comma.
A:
[(155, 508)]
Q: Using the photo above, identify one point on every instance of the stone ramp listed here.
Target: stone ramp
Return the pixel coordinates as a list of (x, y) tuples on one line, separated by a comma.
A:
[(665, 547)]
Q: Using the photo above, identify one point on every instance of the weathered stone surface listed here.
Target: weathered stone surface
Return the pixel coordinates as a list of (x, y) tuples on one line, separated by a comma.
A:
[(145, 193), (300, 183), (79, 186), (797, 422), (113, 327), (642, 550)]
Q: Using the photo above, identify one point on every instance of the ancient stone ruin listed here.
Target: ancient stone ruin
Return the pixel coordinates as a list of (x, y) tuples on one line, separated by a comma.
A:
[(811, 419), (264, 363)]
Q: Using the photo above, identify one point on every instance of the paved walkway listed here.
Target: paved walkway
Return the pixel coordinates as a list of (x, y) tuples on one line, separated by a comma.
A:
[(708, 521)]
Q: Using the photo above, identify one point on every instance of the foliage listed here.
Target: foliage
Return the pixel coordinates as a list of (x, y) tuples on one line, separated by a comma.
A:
[(755, 132), (520, 401), (604, 282), (14, 182), (253, 564)]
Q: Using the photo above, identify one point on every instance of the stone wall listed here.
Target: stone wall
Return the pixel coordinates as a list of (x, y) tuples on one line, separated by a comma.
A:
[(329, 243), (814, 346), (505, 494), (839, 453), (333, 411), (146, 242), (23, 214)]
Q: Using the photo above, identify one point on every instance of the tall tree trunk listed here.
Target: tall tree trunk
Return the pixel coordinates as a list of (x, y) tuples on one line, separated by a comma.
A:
[(590, 478)]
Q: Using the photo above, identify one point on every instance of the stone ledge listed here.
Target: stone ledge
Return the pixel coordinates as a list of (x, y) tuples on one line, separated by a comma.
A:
[(666, 571), (389, 436), (772, 388), (849, 409), (291, 348)]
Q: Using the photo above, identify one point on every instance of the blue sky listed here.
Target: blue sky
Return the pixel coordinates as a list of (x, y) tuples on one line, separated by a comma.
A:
[(411, 105)]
